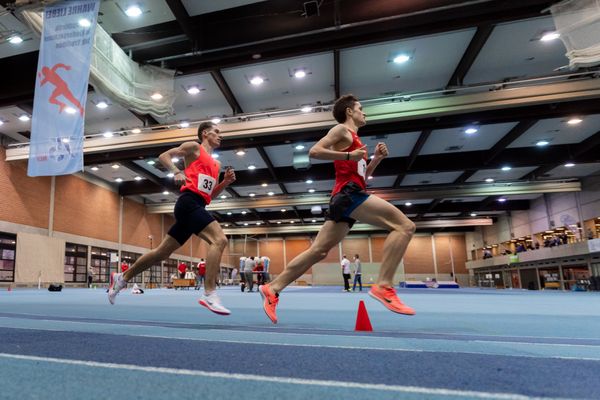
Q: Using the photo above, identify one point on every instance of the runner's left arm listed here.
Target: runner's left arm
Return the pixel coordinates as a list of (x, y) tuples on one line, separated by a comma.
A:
[(381, 152), (228, 179)]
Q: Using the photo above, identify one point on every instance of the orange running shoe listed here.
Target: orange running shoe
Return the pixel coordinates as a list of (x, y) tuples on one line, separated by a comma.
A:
[(270, 301), (387, 296)]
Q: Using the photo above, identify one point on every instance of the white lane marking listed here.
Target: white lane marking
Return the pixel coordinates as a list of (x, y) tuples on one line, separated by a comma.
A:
[(255, 342), (274, 330), (279, 380)]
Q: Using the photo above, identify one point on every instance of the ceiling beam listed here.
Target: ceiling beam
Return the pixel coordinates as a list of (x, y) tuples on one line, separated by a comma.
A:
[(425, 224), (507, 139), (183, 19), (412, 193), (336, 73), (413, 155), (147, 119), (226, 91), (477, 42)]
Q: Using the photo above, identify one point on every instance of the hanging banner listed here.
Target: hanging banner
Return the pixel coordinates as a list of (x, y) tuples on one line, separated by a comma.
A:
[(61, 88)]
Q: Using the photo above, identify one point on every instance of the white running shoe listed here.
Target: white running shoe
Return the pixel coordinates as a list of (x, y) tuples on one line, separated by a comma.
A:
[(117, 283), (213, 303)]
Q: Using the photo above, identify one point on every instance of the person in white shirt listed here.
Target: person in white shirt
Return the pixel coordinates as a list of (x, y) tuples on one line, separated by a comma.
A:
[(346, 273)]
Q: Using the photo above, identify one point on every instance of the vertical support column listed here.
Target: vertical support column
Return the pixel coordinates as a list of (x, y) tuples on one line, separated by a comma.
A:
[(548, 211), (162, 235), (284, 255), (340, 250), (370, 250), (451, 257), (51, 212), (580, 232), (435, 270), (560, 275), (537, 275), (120, 234)]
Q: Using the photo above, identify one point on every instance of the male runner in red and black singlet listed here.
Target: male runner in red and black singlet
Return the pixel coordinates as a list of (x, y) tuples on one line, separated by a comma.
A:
[(200, 183), (350, 202)]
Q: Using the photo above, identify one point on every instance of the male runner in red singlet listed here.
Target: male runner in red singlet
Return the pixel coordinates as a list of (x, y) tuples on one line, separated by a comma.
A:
[(200, 183), (350, 202)]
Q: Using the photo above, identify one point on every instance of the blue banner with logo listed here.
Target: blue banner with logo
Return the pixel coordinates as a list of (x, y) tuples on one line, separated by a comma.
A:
[(61, 88)]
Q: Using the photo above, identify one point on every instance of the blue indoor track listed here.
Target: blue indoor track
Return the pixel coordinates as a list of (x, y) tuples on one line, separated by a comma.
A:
[(462, 344)]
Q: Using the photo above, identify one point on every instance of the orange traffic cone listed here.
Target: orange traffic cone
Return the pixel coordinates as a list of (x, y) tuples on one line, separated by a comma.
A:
[(362, 319)]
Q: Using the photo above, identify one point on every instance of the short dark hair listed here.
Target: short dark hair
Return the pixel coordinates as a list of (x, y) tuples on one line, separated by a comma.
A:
[(204, 126), (340, 105)]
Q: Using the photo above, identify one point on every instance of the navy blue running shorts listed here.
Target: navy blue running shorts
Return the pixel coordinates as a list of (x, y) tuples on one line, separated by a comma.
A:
[(191, 217)]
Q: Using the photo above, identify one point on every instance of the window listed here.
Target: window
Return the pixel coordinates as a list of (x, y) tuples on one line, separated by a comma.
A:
[(8, 246), (170, 268), (75, 262), (104, 261)]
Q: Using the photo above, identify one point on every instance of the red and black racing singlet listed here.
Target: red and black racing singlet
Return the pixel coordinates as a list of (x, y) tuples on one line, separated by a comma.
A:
[(203, 173), (348, 170)]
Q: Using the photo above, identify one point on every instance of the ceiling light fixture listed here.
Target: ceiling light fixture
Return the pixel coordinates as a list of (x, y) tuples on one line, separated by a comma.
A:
[(240, 152), (257, 80), (215, 155), (107, 134), (471, 131), (94, 168), (506, 168), (119, 180), (271, 193), (115, 166), (311, 190), (251, 194), (102, 104), (473, 214), (501, 199), (542, 143), (193, 90), (283, 210), (574, 121), (166, 192), (133, 11), (401, 58), (244, 212), (549, 36), (306, 109), (16, 39), (223, 196), (569, 164), (309, 181), (251, 167), (136, 130), (215, 120), (24, 118), (184, 124), (156, 96), (150, 162), (408, 204), (300, 73), (299, 147), (138, 178), (489, 180)]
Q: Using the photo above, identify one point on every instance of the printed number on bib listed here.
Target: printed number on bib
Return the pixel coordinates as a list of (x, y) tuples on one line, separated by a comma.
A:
[(362, 168), (206, 183)]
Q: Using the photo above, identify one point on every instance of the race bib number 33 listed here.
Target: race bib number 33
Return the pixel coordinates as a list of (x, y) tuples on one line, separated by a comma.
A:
[(206, 183), (362, 168)]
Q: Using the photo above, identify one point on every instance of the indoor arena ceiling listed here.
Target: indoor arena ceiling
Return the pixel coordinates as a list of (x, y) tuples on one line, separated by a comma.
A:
[(477, 65)]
